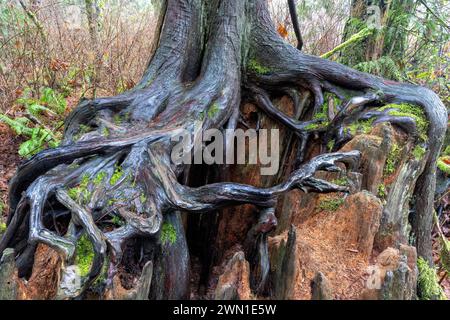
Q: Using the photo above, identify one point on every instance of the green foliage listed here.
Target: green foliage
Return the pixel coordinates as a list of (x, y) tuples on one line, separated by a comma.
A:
[(428, 286), (446, 151), (415, 112), (99, 178), (168, 234), (382, 192), (83, 129), (330, 145), (118, 221), (33, 125), (341, 181), (384, 66), (361, 126), (80, 193), (117, 119), (84, 255), (117, 175), (143, 198), (323, 113), (419, 152), (392, 160), (213, 110), (2, 227), (256, 67), (331, 204), (105, 132), (443, 165)]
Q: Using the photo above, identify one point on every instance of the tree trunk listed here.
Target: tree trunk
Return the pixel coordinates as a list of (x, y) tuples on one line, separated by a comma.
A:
[(387, 43), (117, 186)]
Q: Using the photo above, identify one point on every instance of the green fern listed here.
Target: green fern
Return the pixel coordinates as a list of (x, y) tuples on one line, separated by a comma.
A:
[(384, 66)]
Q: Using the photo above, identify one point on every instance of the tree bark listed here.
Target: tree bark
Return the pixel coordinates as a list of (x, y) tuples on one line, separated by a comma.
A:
[(122, 169)]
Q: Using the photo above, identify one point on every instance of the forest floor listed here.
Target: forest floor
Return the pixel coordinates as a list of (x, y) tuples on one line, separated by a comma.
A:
[(9, 160)]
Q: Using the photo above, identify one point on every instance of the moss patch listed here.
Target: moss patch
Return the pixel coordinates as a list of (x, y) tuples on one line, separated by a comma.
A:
[(2, 227), (85, 255), (331, 204), (99, 178), (392, 160), (429, 288), (143, 198), (341, 181), (362, 126), (258, 68), (443, 164), (419, 152), (330, 145), (118, 173), (117, 119), (83, 130), (382, 192), (446, 152), (168, 234), (213, 110), (105, 132), (411, 111), (81, 193), (118, 221)]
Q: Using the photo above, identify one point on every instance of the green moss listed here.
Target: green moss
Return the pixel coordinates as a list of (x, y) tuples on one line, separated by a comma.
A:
[(411, 111), (99, 178), (118, 221), (331, 204), (213, 110), (443, 166), (330, 145), (83, 130), (117, 119), (392, 160), (323, 113), (341, 181), (382, 192), (118, 173), (2, 227), (312, 126), (105, 132), (81, 193), (428, 286), (419, 152), (168, 234), (85, 255), (256, 67), (446, 152), (362, 126), (143, 198)]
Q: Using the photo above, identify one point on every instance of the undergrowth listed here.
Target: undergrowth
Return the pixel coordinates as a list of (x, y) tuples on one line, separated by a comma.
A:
[(40, 122)]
